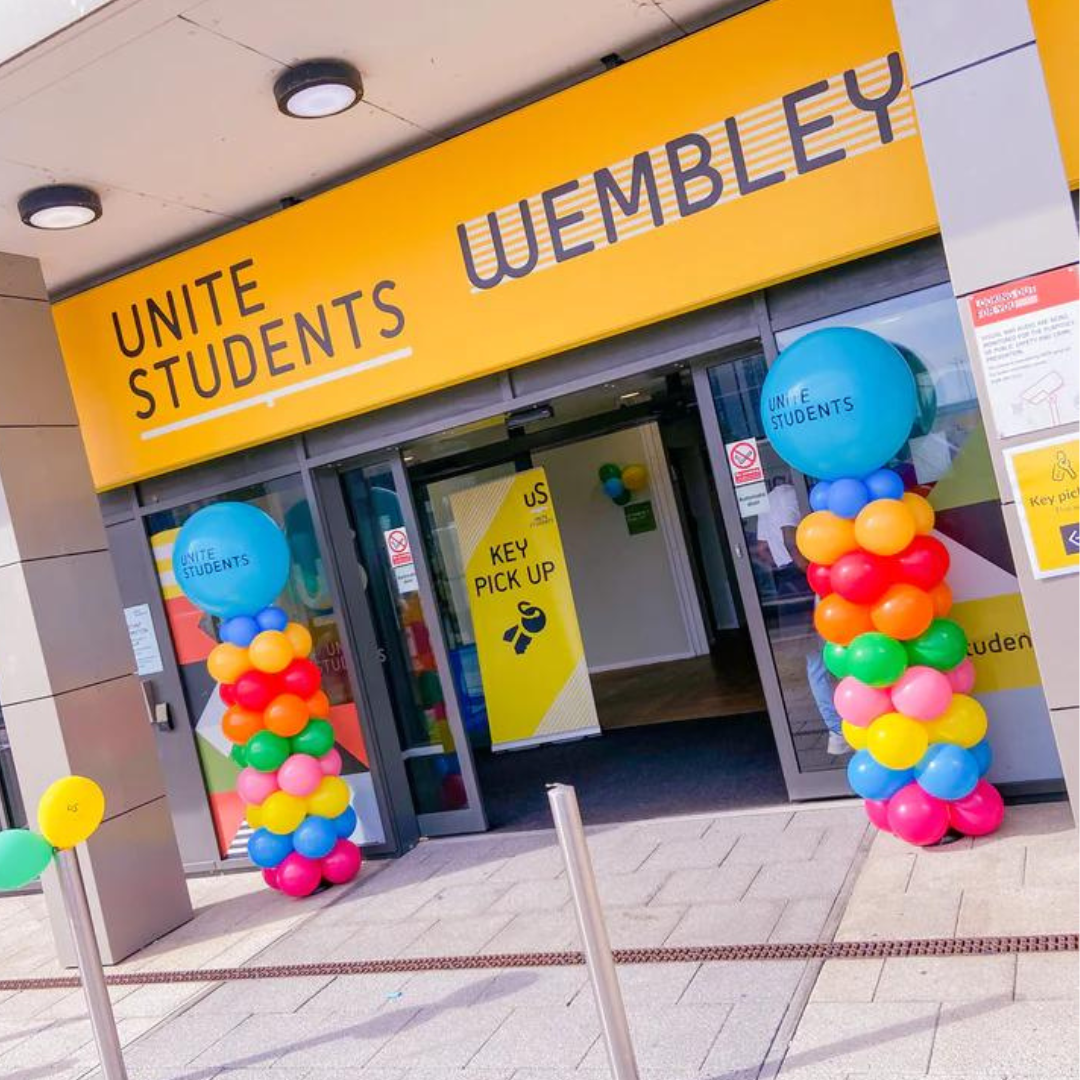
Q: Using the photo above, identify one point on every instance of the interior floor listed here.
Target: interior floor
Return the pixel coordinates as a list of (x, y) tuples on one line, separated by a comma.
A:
[(693, 767)]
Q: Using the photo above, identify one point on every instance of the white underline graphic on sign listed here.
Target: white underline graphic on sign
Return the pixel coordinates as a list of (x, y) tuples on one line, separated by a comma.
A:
[(272, 395)]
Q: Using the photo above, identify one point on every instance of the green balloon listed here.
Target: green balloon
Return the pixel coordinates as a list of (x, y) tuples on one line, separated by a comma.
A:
[(316, 739), (610, 472), (623, 498), (942, 645), (23, 855), (876, 659), (266, 751), (835, 657), (239, 755)]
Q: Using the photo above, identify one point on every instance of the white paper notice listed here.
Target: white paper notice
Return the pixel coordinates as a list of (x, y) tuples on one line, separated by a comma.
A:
[(1027, 335), (747, 473), (399, 549), (144, 642)]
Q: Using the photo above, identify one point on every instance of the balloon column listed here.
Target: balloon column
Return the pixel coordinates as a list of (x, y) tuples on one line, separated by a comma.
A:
[(622, 482), (839, 404), (69, 812), (232, 560)]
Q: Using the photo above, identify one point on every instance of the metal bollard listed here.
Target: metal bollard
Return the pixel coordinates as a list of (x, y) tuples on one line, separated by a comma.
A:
[(590, 917), (90, 970)]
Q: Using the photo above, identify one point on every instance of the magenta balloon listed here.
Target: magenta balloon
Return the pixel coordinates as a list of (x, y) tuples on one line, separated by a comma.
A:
[(298, 876), (330, 762), (859, 703), (979, 813), (923, 693), (300, 775), (270, 876), (342, 864), (962, 677), (877, 810), (917, 817)]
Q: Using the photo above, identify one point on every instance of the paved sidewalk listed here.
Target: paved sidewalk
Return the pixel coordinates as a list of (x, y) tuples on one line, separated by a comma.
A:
[(732, 878)]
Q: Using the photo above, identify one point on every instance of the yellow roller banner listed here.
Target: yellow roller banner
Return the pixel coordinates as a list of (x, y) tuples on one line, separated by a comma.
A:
[(532, 661)]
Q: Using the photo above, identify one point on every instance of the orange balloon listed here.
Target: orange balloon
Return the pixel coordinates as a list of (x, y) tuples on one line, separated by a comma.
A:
[(885, 527), (238, 725), (941, 597), (299, 638), (318, 705), (903, 612), (840, 621), (227, 662), (822, 537), (286, 715), (921, 511)]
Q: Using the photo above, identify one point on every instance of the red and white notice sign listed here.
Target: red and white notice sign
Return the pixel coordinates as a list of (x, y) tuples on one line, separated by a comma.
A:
[(401, 559), (744, 461), (1027, 335)]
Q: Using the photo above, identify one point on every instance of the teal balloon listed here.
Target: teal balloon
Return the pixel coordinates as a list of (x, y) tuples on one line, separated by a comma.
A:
[(231, 559), (839, 402), (925, 393), (23, 855)]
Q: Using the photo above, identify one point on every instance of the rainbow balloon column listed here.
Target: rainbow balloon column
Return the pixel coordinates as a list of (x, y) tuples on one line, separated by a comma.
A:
[(622, 482), (232, 560), (840, 403)]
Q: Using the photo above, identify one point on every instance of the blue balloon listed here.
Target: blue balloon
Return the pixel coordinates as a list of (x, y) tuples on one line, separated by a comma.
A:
[(871, 780), (819, 495), (272, 618), (315, 837), (345, 823), (947, 771), (847, 497), (239, 630), (231, 559), (838, 402), (267, 849), (614, 487), (884, 484), (983, 755)]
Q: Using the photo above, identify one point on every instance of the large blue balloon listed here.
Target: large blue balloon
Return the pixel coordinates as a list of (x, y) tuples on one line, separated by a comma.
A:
[(838, 402), (947, 771), (983, 755), (315, 837), (345, 823), (267, 849), (231, 559), (869, 779)]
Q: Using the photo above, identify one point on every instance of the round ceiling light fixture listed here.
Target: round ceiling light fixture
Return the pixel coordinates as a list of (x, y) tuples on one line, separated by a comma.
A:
[(60, 206), (318, 88)]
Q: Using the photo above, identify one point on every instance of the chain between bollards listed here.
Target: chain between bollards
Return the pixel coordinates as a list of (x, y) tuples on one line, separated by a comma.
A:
[(88, 955), (594, 937)]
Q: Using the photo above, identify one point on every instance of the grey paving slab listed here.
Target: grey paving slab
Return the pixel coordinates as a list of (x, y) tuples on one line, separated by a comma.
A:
[(799, 845), (750, 824), (1021, 911), (545, 931), (630, 890), (669, 1037), (357, 995), (797, 880), (850, 817), (708, 885), (548, 1037), (946, 978), (181, 1040), (883, 916), (745, 1041), (259, 1041), (641, 928), (456, 901), (543, 895), (543, 863), (734, 923), (445, 1038), (452, 1074), (27, 1004), (322, 939), (643, 985), (444, 989), (371, 942), (991, 868), (524, 987), (460, 936), (624, 857), (803, 919), (252, 996), (343, 1074), (706, 851), (344, 1041), (847, 980), (157, 1000), (884, 874), (730, 981), (1052, 861), (1047, 976), (54, 1043)]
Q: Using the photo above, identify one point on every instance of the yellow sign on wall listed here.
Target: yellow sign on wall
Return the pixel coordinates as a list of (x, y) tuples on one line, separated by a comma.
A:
[(532, 661), (1045, 480)]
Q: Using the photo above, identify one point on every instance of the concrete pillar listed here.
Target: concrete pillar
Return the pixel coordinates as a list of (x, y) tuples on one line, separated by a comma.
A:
[(1005, 211), (70, 700)]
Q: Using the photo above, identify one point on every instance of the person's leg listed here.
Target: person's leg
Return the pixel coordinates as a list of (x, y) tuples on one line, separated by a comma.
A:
[(817, 675)]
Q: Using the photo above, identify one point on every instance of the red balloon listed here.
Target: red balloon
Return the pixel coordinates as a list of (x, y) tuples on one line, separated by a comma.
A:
[(297, 875), (819, 579), (979, 812), (877, 810), (227, 692), (270, 876), (861, 576), (916, 816), (924, 562), (342, 864), (302, 678), (256, 689)]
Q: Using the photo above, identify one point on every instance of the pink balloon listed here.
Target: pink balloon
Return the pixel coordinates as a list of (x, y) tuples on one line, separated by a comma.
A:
[(298, 876), (877, 810), (922, 693), (255, 787), (917, 817), (330, 762), (300, 775), (962, 677), (270, 876), (980, 812), (342, 864), (859, 703)]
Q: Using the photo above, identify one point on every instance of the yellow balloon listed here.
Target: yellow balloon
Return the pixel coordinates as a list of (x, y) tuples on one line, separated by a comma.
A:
[(963, 723), (270, 651), (896, 741), (822, 537), (885, 526), (635, 477), (227, 662), (330, 798), (70, 810), (855, 735), (282, 812), (921, 511), (299, 639), (253, 814)]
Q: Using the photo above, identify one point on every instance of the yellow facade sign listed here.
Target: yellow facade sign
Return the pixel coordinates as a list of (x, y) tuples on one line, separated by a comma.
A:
[(532, 661), (778, 142), (1045, 480), (999, 642)]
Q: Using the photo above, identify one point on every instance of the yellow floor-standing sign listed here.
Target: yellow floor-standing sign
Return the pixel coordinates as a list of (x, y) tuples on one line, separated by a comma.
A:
[(532, 661), (1046, 482)]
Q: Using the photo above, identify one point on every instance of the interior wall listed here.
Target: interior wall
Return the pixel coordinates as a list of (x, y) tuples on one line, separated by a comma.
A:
[(634, 595)]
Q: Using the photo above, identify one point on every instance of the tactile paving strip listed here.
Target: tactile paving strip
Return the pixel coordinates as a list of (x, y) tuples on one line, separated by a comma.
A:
[(813, 950)]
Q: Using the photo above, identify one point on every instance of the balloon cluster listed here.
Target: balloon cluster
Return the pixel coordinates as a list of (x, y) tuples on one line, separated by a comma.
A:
[(276, 712), (621, 483), (921, 753), (69, 812)]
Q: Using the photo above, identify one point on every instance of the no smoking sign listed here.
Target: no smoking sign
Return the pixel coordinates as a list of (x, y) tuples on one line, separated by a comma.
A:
[(744, 462)]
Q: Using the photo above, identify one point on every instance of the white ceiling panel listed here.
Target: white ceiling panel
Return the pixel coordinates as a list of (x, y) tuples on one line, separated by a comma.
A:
[(693, 15)]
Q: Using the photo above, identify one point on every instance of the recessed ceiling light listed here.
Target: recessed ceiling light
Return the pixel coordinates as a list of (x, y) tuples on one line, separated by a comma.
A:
[(318, 88), (61, 206)]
